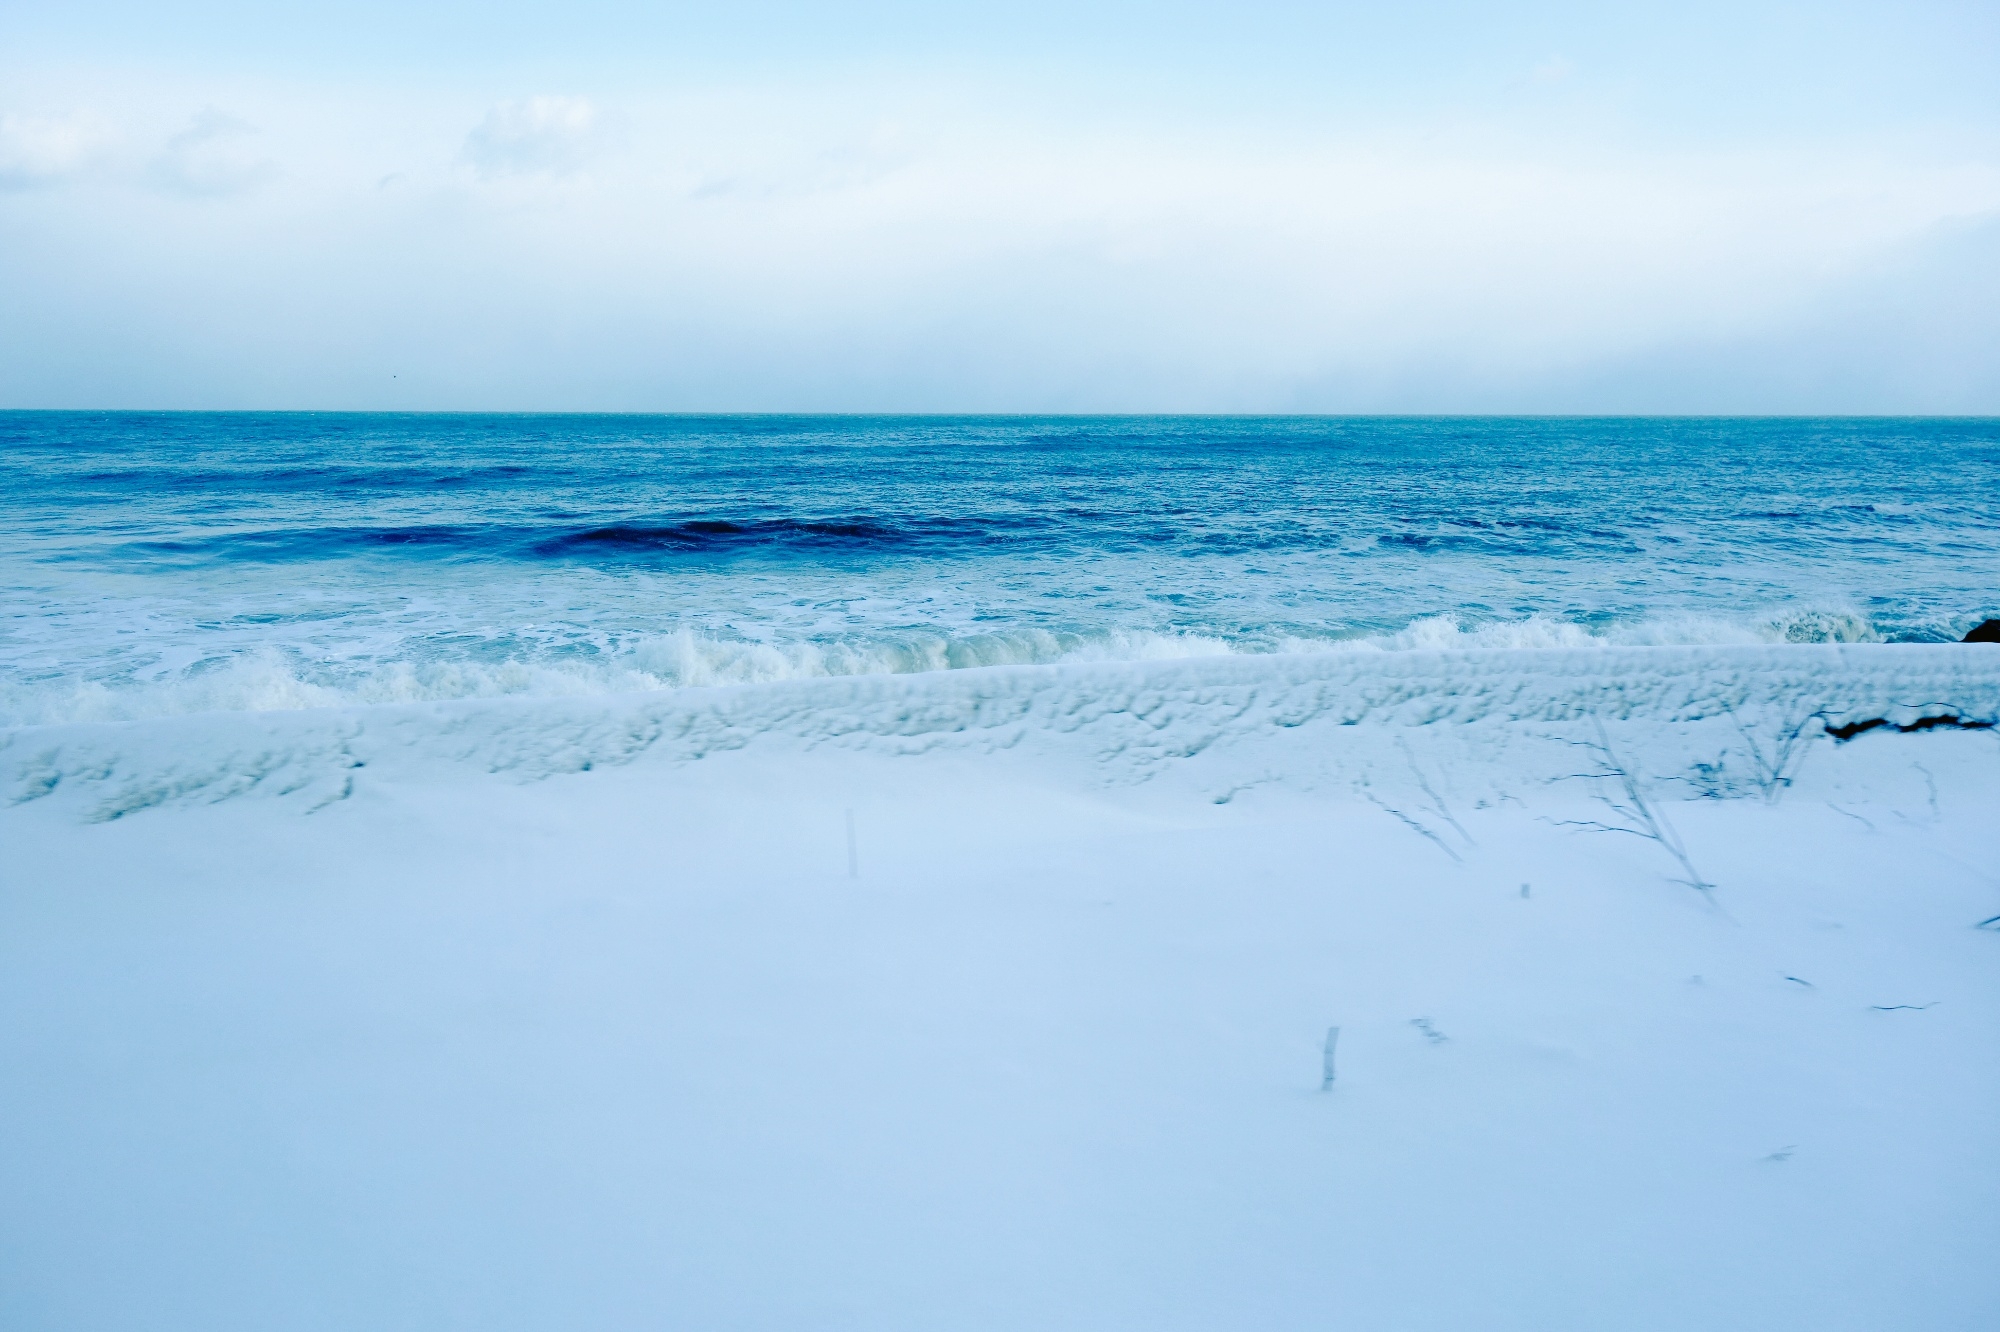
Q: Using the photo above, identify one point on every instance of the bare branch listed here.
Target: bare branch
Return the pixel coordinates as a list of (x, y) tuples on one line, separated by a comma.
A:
[(1414, 826), (1773, 770), (1636, 813), (1437, 805)]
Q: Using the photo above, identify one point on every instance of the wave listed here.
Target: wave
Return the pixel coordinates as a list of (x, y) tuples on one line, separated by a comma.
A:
[(604, 542), (668, 541), (705, 535), (268, 679)]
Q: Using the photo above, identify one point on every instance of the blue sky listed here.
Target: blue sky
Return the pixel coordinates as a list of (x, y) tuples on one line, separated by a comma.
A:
[(1030, 207)]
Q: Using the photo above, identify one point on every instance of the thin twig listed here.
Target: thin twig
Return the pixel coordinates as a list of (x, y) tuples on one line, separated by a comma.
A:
[(1437, 804), (1638, 816), (1789, 747), (1414, 826)]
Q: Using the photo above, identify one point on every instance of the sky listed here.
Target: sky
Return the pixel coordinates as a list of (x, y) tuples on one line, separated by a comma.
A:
[(1031, 207)]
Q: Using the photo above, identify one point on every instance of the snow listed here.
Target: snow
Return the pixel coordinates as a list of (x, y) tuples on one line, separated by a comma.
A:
[(538, 1013)]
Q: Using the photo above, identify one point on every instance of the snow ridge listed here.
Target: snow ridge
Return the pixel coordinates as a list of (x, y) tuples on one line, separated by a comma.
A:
[(1699, 716)]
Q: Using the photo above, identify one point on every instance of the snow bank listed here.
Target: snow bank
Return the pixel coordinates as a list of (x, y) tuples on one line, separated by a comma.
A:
[(997, 999), (1710, 721)]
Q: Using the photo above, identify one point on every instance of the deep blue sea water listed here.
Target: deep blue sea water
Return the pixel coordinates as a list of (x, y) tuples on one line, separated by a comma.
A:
[(166, 562)]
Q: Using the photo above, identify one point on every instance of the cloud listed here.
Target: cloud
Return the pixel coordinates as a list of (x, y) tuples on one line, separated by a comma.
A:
[(41, 150), (917, 246), (542, 135), (213, 157)]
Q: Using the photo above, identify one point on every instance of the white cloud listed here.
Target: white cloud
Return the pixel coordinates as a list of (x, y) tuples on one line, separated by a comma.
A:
[(542, 135), (215, 156), (40, 150), (794, 245)]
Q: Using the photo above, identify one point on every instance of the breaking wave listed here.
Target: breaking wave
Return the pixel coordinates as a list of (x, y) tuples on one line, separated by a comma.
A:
[(154, 564), (271, 679)]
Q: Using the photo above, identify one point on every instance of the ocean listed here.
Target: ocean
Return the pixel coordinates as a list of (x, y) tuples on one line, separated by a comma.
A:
[(161, 563)]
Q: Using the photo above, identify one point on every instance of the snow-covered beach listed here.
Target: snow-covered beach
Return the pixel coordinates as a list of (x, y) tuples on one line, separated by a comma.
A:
[(1000, 999), (1097, 667)]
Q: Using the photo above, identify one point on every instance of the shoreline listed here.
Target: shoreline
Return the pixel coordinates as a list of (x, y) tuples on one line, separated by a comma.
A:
[(1130, 720)]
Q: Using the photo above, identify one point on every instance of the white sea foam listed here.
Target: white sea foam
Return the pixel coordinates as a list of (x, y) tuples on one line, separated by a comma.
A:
[(268, 679)]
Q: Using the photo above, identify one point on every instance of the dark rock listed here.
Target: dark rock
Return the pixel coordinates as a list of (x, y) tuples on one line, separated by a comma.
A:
[(1987, 632), (1948, 721)]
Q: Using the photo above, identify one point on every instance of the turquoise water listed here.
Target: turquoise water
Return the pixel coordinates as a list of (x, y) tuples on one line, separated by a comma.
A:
[(165, 562)]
